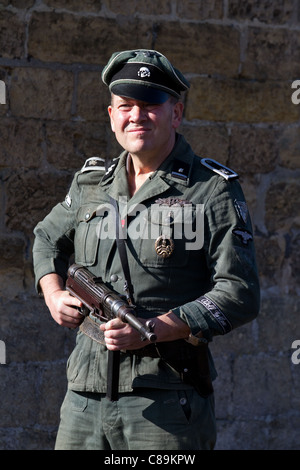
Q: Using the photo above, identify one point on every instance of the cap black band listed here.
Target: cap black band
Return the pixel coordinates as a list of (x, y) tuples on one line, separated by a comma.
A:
[(140, 93), (144, 74)]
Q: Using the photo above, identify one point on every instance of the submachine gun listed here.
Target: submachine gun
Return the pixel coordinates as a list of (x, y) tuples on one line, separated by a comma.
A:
[(190, 360), (102, 303)]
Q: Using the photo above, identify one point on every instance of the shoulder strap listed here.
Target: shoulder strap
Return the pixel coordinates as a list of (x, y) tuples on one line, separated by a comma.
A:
[(128, 287), (92, 164), (217, 167)]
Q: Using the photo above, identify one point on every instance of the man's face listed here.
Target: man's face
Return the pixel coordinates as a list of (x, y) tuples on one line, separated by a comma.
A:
[(144, 129)]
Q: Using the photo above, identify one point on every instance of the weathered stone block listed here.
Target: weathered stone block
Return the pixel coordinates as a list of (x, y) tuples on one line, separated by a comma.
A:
[(27, 330), (11, 282), (270, 256), (293, 242), (69, 144), (223, 385), (60, 145), (268, 11), (204, 48), (282, 317), (239, 341), (253, 149), (12, 38), (282, 45), (140, 7), (200, 9), (240, 101), (208, 141), (20, 143), (255, 377), (33, 438), (282, 205), (12, 249), (17, 382), (90, 140), (21, 4), (283, 431), (29, 199), (289, 147), (91, 6), (41, 93), (67, 38), (92, 97), (53, 388)]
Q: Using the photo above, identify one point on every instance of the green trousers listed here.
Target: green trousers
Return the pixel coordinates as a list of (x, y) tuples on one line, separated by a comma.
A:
[(145, 419)]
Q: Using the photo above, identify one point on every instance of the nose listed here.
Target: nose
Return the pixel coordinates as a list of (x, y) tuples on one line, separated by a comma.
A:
[(137, 114)]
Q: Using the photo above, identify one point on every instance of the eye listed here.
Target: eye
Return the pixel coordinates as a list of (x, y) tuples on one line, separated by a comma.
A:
[(151, 106), (124, 106)]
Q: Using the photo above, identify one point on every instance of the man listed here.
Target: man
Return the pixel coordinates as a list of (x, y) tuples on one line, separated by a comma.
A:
[(190, 255)]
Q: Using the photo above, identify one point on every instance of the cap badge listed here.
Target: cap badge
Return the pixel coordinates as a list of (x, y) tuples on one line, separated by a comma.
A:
[(164, 246), (144, 72)]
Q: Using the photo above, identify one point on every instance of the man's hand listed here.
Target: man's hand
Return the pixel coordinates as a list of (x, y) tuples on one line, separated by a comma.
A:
[(121, 336), (63, 307)]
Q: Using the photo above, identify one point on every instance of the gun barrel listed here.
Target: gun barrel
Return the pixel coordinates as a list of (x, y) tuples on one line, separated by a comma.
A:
[(97, 296), (143, 330)]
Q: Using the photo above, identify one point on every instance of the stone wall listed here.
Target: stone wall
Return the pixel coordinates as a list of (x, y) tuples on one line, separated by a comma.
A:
[(241, 58)]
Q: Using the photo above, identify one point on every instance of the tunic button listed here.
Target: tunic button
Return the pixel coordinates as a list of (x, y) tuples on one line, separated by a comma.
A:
[(182, 401), (114, 278), (87, 216)]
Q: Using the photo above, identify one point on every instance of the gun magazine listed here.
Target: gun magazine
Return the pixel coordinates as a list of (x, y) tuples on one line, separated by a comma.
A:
[(92, 329)]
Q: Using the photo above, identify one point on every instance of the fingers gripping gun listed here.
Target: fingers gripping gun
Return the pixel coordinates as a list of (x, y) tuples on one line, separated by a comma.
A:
[(105, 304)]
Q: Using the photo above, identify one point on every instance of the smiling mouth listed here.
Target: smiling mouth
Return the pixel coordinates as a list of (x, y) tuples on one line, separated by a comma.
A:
[(138, 129)]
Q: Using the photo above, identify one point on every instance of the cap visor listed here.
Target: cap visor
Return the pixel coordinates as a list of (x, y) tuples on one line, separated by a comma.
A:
[(140, 93)]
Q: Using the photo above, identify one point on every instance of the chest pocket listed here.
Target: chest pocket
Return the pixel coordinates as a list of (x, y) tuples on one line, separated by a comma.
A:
[(88, 233), (167, 236)]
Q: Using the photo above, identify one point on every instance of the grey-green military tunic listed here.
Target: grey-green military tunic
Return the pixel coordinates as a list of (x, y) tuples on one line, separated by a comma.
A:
[(210, 282)]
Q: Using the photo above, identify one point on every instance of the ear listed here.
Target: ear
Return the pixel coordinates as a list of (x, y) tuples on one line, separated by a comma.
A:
[(177, 114), (110, 112)]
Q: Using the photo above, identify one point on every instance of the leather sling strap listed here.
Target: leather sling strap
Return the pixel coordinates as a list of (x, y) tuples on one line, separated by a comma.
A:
[(113, 366), (120, 239)]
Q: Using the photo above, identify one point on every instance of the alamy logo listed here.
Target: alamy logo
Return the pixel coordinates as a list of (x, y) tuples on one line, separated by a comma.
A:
[(2, 353), (296, 95), (160, 223), (2, 92), (296, 354)]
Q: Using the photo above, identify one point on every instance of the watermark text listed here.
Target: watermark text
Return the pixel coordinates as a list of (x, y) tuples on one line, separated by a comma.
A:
[(2, 92), (2, 353), (296, 354), (296, 94), (174, 222)]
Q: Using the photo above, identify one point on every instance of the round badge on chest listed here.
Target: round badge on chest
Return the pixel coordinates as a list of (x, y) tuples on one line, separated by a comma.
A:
[(164, 246)]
